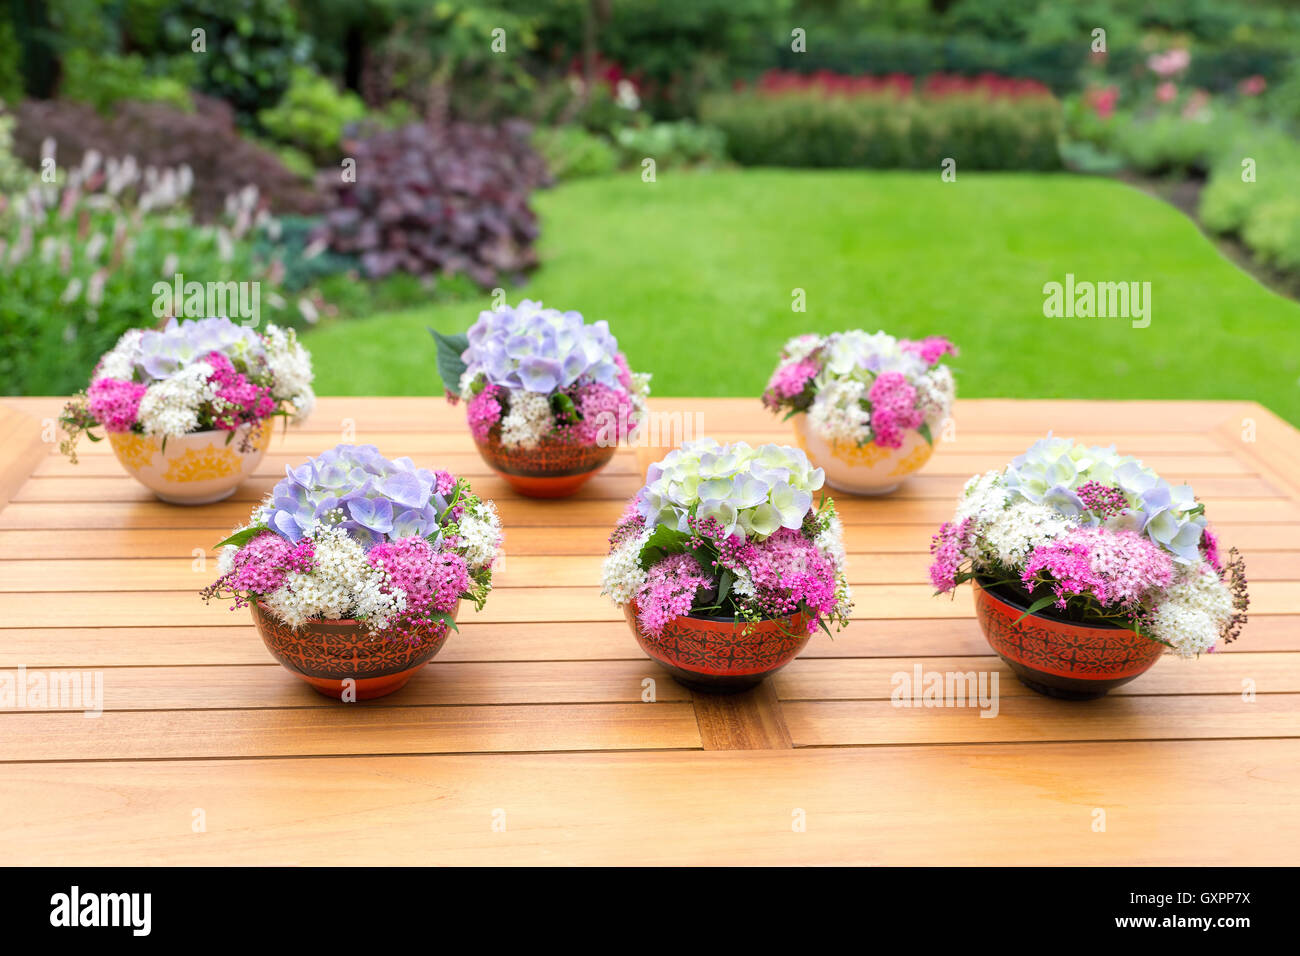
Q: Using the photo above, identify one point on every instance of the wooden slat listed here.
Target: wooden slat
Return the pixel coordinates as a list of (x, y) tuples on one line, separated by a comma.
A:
[(965, 805), (747, 721), (348, 729), (882, 677), (1040, 719)]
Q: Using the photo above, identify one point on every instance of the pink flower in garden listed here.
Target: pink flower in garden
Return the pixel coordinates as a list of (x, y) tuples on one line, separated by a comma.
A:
[(669, 591), (484, 411), (930, 349), (1102, 500), (444, 482), (1166, 92), (432, 581), (789, 381), (893, 409), (1103, 101), (1210, 548), (788, 571), (1252, 85), (115, 403), (1169, 62), (1118, 568)]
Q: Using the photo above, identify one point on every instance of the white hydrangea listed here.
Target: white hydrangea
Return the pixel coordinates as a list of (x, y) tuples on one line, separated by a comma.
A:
[(935, 391), (171, 407), (480, 535), (621, 575), (528, 421), (341, 584), (837, 413), (801, 346), (1194, 610), (119, 362), (1012, 534), (290, 364)]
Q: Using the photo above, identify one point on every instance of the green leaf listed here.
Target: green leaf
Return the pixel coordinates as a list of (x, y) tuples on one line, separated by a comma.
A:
[(925, 433), (446, 618), (563, 406), (1038, 605), (663, 542), (241, 538), (725, 581), (450, 365)]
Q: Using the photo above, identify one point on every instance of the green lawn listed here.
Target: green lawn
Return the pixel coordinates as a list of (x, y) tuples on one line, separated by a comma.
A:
[(695, 274)]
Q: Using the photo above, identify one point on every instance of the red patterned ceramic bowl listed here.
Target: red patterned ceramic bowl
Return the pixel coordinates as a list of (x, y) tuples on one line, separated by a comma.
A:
[(716, 655), (553, 469), (326, 653), (1062, 658)]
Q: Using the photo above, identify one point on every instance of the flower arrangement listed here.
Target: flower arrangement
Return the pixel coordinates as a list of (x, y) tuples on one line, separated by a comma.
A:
[(1096, 538), (858, 388), (530, 376), (730, 531), (353, 535), (193, 376)]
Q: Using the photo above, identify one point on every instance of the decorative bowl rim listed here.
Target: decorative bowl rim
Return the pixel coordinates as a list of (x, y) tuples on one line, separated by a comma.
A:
[(1012, 603)]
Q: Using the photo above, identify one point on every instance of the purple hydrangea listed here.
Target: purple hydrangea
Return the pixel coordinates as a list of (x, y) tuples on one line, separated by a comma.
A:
[(354, 486), (537, 349), (163, 352)]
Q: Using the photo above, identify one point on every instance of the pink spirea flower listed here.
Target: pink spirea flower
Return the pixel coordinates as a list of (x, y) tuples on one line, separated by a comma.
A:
[(624, 372), (432, 581), (893, 409), (789, 572), (669, 591), (262, 565), (444, 482), (484, 411), (607, 415), (115, 403), (949, 549), (1118, 568), (789, 381), (930, 349), (239, 400), (1210, 549), (1105, 501)]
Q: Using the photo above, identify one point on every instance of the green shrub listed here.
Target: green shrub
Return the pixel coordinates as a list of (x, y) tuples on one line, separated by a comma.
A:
[(1166, 143), (682, 143), (884, 132), (312, 115), (13, 174), (103, 81), (571, 152), (81, 262), (11, 72)]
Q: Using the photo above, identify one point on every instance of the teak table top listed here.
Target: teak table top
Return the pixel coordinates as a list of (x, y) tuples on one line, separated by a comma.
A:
[(527, 739)]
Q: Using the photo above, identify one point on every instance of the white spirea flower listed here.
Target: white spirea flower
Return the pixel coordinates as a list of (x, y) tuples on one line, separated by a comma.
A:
[(171, 407), (837, 413), (935, 391), (830, 541), (528, 421), (1193, 611), (290, 366), (621, 575), (119, 362), (341, 584), (226, 559), (1012, 534), (480, 535)]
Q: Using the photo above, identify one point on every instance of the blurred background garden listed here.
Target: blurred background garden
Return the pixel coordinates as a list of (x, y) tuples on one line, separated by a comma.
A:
[(711, 176)]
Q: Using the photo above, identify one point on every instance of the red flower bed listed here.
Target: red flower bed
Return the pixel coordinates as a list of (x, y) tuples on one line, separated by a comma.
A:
[(935, 86)]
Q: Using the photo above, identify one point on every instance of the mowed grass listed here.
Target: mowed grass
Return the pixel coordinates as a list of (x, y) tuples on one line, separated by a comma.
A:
[(697, 273)]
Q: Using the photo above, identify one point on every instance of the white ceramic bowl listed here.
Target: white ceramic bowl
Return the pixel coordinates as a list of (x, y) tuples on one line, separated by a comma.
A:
[(862, 469), (195, 469)]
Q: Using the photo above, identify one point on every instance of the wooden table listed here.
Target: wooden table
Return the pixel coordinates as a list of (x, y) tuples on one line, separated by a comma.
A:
[(528, 741)]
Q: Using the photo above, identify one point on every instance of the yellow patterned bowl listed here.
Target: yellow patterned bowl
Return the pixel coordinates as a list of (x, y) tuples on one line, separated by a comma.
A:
[(862, 469), (195, 469)]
